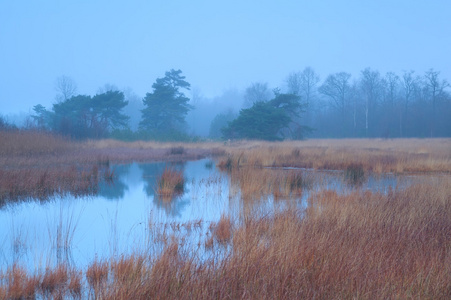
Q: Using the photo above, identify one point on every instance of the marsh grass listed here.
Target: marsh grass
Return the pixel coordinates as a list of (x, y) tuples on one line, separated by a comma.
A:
[(360, 245), (18, 284), (26, 143), (22, 184), (257, 183), (354, 174), (54, 282), (109, 175), (379, 156), (39, 165), (170, 183), (97, 276), (222, 231)]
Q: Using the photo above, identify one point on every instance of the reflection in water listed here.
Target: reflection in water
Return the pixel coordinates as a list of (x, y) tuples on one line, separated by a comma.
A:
[(115, 189), (127, 175), (150, 174), (126, 212)]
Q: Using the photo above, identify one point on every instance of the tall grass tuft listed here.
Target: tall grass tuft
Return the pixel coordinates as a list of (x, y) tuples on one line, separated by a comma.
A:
[(97, 276), (170, 184), (19, 284), (54, 282), (355, 174), (75, 285), (223, 230), (361, 245), (129, 274)]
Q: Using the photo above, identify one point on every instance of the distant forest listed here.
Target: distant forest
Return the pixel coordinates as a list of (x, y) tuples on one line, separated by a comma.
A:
[(369, 105)]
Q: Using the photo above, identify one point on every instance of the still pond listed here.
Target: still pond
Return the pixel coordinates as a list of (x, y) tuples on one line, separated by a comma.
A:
[(126, 214)]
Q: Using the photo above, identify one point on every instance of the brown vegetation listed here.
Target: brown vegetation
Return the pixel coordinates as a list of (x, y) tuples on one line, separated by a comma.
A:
[(38, 165), (20, 285), (380, 156), (170, 184), (359, 245), (223, 230), (97, 275), (362, 245), (55, 282)]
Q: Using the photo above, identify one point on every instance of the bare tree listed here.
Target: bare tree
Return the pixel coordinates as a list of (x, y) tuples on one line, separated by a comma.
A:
[(408, 84), (309, 81), (66, 88), (336, 87), (392, 83), (256, 92), (303, 84), (293, 83), (436, 90), (354, 99), (371, 85)]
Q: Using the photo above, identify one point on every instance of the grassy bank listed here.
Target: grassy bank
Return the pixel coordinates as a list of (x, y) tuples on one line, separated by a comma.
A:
[(375, 155), (28, 149), (38, 165)]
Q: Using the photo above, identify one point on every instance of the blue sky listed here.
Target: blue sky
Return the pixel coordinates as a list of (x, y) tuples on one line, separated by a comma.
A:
[(217, 44)]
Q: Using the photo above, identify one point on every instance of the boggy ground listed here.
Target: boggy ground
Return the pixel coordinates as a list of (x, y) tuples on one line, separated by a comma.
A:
[(362, 245), (376, 155), (39, 165), (359, 245)]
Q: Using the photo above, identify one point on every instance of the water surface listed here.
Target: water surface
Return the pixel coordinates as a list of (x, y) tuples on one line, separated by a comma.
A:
[(127, 215)]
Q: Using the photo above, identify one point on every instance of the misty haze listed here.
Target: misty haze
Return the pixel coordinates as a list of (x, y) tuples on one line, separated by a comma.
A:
[(231, 149)]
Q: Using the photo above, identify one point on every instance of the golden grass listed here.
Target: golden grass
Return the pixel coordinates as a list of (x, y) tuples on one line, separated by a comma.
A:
[(256, 183), (376, 155), (24, 143), (97, 276), (37, 164), (20, 285), (222, 231), (170, 184), (362, 245), (55, 282)]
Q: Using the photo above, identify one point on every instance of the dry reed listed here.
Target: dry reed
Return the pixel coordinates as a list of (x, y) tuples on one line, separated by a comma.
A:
[(223, 230), (54, 282), (97, 276), (397, 156), (20, 285), (361, 245), (170, 184)]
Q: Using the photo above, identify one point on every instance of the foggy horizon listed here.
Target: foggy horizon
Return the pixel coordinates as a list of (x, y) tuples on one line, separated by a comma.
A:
[(218, 46)]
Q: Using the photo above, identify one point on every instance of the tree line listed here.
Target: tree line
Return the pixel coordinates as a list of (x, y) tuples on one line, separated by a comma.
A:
[(101, 115), (369, 105), (375, 105)]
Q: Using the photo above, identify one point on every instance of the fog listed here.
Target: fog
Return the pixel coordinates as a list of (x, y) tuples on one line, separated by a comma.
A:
[(222, 48)]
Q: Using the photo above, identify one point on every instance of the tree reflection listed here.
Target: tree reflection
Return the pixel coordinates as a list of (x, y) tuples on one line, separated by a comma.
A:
[(115, 189)]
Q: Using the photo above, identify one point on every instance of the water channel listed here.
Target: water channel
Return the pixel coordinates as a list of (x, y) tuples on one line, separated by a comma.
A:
[(123, 216)]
